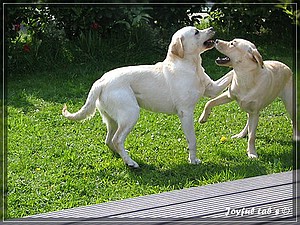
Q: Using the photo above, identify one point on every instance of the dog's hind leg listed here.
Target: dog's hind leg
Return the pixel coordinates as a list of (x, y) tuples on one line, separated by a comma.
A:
[(286, 96), (112, 127), (244, 132), (253, 122), (126, 122), (120, 111)]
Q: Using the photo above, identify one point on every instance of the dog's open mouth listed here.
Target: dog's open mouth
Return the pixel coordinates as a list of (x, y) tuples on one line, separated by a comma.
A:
[(209, 43), (223, 60)]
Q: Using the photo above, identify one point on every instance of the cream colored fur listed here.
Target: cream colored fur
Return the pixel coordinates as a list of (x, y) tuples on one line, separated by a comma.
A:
[(255, 84), (173, 86)]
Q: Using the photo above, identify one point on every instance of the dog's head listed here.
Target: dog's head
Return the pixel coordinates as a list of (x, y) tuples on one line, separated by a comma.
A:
[(191, 41), (238, 52)]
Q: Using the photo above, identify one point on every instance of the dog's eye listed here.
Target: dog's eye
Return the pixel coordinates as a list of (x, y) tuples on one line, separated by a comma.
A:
[(196, 32), (231, 43)]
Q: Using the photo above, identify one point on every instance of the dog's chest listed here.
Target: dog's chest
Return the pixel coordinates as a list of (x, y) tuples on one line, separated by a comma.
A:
[(245, 94), (254, 94)]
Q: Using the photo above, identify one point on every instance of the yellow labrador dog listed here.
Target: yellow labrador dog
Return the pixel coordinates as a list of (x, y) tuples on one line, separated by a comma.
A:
[(255, 84), (172, 86)]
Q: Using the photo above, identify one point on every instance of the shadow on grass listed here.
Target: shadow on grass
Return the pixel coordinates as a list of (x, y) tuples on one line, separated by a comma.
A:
[(187, 175), (56, 86), (18, 100)]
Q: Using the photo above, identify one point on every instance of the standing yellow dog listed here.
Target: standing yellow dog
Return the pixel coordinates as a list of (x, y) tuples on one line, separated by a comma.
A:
[(255, 84), (173, 86)]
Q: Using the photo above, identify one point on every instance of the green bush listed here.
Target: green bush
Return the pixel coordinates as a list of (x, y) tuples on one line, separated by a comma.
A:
[(50, 37), (33, 40), (45, 37), (259, 22)]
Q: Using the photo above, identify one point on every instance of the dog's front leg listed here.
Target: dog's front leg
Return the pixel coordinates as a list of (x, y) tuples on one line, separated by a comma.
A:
[(187, 123), (214, 88), (220, 100)]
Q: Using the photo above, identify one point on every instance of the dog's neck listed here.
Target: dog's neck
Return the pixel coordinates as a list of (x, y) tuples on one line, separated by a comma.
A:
[(246, 78), (198, 63), (193, 61), (242, 68)]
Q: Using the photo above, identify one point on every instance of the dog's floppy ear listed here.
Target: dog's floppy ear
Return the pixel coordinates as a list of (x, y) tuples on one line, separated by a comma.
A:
[(177, 47), (256, 56)]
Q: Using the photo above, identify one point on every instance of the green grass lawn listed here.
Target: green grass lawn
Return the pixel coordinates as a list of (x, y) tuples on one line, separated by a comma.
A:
[(54, 163)]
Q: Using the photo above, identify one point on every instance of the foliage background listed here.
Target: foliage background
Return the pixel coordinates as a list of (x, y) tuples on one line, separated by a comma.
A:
[(45, 37)]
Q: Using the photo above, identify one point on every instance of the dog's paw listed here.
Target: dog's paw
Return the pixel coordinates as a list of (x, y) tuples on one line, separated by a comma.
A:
[(202, 118), (132, 164), (195, 161), (252, 155), (240, 135)]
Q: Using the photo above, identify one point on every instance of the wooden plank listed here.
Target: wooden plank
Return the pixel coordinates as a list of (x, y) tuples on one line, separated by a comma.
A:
[(263, 198)]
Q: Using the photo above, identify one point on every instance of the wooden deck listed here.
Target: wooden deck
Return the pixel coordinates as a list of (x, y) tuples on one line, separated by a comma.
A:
[(267, 198)]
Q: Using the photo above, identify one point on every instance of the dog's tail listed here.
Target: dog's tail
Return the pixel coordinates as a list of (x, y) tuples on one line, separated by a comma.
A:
[(89, 108)]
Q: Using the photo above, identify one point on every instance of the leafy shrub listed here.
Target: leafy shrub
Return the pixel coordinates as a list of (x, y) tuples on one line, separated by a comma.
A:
[(42, 37), (45, 37), (33, 40), (257, 22)]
